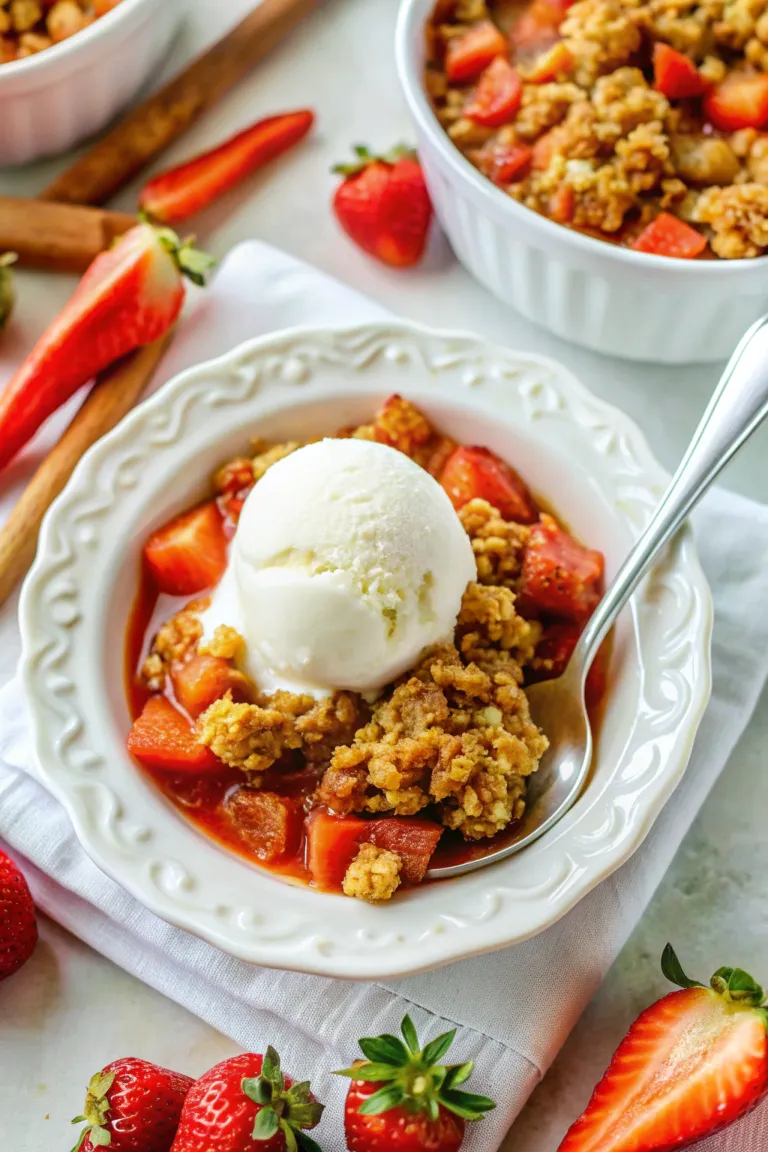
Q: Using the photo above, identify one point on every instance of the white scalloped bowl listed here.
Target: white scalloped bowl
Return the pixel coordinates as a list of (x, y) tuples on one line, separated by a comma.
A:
[(581, 455)]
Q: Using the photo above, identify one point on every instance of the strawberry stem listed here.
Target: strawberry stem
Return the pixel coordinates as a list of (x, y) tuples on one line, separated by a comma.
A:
[(364, 159), (733, 984), (281, 1109)]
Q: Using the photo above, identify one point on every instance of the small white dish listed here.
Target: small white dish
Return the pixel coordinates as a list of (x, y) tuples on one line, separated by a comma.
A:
[(608, 298), (51, 101), (584, 457)]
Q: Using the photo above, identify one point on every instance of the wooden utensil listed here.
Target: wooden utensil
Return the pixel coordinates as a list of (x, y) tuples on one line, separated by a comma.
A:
[(156, 123), (114, 394), (61, 237)]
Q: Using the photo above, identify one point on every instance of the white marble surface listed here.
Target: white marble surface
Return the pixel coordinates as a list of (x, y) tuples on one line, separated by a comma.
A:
[(69, 1010)]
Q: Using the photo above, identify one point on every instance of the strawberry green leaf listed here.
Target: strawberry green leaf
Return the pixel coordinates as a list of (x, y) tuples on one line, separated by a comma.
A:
[(383, 1100), (257, 1089), (266, 1124), (78, 1120), (299, 1093), (306, 1143), (466, 1104), (373, 1072), (458, 1073), (384, 1049), (438, 1047), (100, 1138), (738, 986), (673, 970), (270, 1069), (409, 1034), (291, 1143)]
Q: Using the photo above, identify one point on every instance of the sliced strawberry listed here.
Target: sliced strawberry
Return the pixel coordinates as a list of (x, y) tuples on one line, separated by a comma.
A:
[(497, 97), (202, 680), (560, 576), (478, 474), (538, 27), (188, 554), (332, 844), (270, 825), (740, 101), (668, 236), (130, 296), (505, 163), (179, 193), (691, 1064), (413, 840), (551, 65), (555, 649), (162, 738), (384, 206), (401, 425), (469, 54), (674, 74)]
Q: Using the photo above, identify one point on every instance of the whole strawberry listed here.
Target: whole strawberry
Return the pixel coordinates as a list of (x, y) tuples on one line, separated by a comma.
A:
[(384, 206), (246, 1104), (18, 926), (691, 1064), (402, 1099), (132, 1106)]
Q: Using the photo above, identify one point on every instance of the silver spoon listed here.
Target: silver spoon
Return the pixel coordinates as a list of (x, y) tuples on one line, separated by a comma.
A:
[(738, 406)]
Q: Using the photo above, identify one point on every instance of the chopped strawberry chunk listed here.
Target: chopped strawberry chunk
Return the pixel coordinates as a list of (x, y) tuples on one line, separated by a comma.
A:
[(674, 74), (202, 680), (556, 62), (563, 204), (413, 840), (188, 554), (332, 844), (538, 27), (740, 101), (555, 649), (560, 576), (668, 236), (401, 425), (505, 163), (162, 738), (467, 55), (545, 148), (497, 96), (478, 473), (270, 825)]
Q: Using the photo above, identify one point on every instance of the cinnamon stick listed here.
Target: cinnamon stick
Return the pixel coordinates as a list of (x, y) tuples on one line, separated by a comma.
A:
[(60, 237), (161, 119), (114, 394)]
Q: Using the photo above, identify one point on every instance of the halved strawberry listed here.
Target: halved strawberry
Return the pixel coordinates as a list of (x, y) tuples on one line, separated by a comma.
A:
[(668, 236), (413, 840), (204, 679), (130, 296), (674, 74), (497, 97), (189, 553), (689, 1066), (467, 55), (474, 473), (384, 206), (162, 738), (740, 101), (179, 193), (560, 577), (551, 65)]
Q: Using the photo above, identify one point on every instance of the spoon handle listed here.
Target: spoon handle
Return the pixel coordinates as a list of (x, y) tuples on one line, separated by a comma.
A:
[(738, 405)]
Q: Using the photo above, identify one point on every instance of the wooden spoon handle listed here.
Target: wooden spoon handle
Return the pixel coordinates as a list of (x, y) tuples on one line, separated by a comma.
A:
[(61, 237), (156, 123), (115, 393)]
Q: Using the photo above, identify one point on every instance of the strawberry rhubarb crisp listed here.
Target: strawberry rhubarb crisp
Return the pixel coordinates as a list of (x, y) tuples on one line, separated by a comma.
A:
[(637, 121), (327, 660), (30, 26)]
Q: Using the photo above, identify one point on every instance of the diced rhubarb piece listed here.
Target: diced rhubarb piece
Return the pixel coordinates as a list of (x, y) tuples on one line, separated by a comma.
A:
[(202, 680), (557, 61), (560, 577), (478, 473), (332, 844), (497, 96), (399, 424), (562, 205), (413, 840), (189, 554), (538, 27), (162, 738), (270, 825), (506, 163), (668, 236), (467, 55), (740, 101), (554, 650), (674, 74), (545, 148)]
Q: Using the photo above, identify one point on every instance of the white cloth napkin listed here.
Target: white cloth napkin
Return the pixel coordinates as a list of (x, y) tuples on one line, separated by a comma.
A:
[(513, 1008)]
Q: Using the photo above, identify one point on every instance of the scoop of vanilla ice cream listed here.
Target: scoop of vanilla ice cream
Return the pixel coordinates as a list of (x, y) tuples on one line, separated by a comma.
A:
[(348, 561)]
